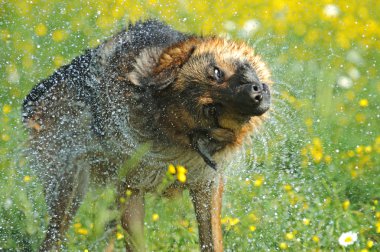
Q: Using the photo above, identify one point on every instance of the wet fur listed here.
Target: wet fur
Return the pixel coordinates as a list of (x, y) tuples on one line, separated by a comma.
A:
[(144, 85)]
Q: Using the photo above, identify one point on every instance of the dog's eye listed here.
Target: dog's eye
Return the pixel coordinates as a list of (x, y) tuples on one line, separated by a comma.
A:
[(218, 75)]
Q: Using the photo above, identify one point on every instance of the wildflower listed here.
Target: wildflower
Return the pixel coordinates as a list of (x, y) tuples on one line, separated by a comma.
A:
[(346, 205), (58, 35), (40, 30), (258, 182), (306, 221), (315, 238), (251, 26), (283, 245), (7, 109), (328, 159), (347, 238), (181, 173), (363, 103), (26, 178), (377, 214), (171, 169), (331, 11), (119, 236), (77, 225), (58, 60), (230, 221), (309, 122), (82, 231), (234, 221), (368, 149), (5, 137), (253, 217), (287, 187), (128, 193), (345, 82), (252, 228), (155, 217), (350, 153), (370, 244), (289, 236)]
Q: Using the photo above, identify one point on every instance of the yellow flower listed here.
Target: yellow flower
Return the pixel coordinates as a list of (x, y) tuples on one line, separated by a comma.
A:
[(377, 227), (370, 244), (328, 159), (234, 221), (377, 214), (7, 109), (252, 228), (289, 236), (27, 178), (5, 137), (306, 221), (346, 204), (351, 153), (363, 103), (59, 35), (119, 236), (259, 181), (283, 245), (82, 231), (40, 30), (368, 149), (128, 193), (287, 187), (181, 177), (77, 225), (315, 239), (181, 169), (58, 60), (309, 122), (181, 173), (155, 217), (171, 169)]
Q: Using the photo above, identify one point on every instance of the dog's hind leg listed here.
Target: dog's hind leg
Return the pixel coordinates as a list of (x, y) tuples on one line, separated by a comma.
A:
[(64, 194)]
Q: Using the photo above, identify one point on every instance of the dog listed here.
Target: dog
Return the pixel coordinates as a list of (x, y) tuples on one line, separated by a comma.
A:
[(193, 100)]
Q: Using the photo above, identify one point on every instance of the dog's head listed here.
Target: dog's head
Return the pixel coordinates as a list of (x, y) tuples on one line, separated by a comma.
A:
[(219, 72), (209, 83)]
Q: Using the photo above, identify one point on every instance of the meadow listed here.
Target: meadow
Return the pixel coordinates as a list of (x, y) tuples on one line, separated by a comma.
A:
[(312, 172)]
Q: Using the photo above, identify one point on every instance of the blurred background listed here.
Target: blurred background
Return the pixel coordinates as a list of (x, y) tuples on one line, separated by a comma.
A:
[(312, 172)]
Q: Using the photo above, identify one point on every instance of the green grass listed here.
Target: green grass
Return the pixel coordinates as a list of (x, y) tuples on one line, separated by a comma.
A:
[(311, 173)]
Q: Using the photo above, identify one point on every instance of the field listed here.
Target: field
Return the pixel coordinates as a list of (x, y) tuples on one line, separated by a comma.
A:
[(312, 172)]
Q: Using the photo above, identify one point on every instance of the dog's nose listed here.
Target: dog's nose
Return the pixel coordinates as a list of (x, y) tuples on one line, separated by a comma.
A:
[(256, 92)]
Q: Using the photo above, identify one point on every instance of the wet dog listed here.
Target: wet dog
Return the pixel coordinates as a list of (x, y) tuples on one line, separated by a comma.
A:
[(193, 100)]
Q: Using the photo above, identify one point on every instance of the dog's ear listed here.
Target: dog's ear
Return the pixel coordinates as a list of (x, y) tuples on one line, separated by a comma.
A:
[(159, 68), (171, 61)]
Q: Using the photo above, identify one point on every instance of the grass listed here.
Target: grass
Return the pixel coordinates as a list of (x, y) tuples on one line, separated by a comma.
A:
[(313, 170)]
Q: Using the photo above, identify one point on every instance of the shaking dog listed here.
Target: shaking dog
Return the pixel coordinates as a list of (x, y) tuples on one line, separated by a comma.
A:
[(193, 100)]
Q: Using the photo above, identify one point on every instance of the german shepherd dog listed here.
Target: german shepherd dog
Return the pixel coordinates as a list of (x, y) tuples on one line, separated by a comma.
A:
[(193, 99)]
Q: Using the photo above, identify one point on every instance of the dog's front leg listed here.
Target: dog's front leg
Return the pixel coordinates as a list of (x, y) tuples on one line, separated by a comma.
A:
[(133, 221), (207, 200)]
